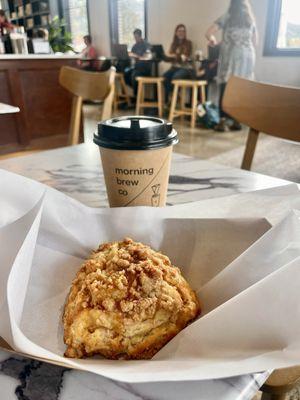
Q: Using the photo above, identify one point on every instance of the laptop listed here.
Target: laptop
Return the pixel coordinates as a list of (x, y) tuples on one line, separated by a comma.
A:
[(120, 51), (159, 54), (41, 46)]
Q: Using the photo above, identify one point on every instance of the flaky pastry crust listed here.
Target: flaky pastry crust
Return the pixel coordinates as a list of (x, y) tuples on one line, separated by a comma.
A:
[(126, 302)]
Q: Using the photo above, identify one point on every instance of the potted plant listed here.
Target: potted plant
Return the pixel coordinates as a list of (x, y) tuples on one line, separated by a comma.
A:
[(60, 39)]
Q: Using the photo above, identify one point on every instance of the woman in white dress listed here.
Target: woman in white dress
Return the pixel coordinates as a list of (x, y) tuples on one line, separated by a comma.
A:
[(237, 50)]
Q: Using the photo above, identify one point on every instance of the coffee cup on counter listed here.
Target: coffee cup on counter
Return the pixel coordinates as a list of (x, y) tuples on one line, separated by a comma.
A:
[(136, 154)]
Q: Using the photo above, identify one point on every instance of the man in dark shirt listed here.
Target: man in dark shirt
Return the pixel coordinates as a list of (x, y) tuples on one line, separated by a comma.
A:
[(142, 67), (140, 47)]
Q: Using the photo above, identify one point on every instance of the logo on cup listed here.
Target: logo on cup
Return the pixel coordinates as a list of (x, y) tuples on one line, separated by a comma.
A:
[(155, 199)]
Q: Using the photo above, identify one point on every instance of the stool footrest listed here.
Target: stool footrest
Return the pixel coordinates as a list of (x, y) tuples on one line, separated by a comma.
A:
[(122, 96), (149, 104), (188, 83), (146, 80), (177, 113)]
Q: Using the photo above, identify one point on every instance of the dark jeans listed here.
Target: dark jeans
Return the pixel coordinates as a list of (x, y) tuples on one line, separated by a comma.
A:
[(222, 91), (121, 65), (176, 73), (131, 73)]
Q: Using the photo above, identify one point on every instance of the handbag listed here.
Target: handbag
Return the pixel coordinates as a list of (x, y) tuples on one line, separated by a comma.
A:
[(208, 114)]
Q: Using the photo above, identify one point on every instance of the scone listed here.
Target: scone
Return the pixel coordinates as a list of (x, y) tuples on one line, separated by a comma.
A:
[(126, 302)]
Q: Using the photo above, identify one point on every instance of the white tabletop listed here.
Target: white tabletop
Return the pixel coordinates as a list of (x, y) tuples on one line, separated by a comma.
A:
[(7, 109), (76, 171)]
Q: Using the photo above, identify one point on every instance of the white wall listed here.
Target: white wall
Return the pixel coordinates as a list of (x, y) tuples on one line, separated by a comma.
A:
[(164, 15), (279, 70), (99, 22), (197, 15)]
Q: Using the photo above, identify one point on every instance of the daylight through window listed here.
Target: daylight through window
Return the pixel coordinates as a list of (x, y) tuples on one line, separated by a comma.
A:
[(77, 19), (127, 15), (289, 27), (283, 28)]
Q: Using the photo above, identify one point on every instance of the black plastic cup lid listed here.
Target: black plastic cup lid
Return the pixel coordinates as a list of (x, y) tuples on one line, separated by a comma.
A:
[(135, 133)]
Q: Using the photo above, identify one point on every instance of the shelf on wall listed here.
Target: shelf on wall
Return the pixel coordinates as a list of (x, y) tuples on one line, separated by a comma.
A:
[(39, 10)]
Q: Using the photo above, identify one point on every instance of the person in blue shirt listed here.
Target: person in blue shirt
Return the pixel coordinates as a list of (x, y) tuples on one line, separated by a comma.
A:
[(142, 66)]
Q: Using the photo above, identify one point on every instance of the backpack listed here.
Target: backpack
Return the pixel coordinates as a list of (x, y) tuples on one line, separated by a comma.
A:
[(208, 114)]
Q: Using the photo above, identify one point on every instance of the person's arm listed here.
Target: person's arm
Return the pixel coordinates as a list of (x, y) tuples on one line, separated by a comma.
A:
[(84, 53), (172, 53), (187, 52), (9, 26), (219, 24), (255, 37), (210, 34), (133, 53), (92, 54), (147, 54)]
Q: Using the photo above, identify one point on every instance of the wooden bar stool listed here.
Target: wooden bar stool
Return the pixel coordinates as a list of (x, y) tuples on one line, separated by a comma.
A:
[(121, 92), (140, 101), (183, 85)]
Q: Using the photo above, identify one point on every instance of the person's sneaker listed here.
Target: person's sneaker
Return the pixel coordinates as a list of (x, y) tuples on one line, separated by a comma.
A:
[(222, 126), (166, 109), (235, 126)]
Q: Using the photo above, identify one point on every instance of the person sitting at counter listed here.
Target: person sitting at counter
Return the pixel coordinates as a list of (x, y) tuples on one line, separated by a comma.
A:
[(139, 54), (5, 23), (88, 56)]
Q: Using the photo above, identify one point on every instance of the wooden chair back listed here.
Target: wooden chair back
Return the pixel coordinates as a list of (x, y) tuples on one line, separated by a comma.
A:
[(274, 110), (86, 85)]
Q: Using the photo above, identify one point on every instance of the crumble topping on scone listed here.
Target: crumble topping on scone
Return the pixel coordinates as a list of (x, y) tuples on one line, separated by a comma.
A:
[(126, 302)]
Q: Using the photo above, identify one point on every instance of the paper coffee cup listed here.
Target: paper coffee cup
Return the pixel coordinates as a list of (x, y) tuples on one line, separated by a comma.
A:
[(136, 155)]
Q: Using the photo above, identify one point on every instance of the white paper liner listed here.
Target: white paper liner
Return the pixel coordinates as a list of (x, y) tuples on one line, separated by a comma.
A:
[(247, 277)]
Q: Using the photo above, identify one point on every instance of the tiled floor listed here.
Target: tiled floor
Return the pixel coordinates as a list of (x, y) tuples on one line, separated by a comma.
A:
[(197, 142), (202, 143)]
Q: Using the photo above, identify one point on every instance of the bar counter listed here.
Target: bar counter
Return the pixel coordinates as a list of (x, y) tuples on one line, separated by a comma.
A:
[(30, 82)]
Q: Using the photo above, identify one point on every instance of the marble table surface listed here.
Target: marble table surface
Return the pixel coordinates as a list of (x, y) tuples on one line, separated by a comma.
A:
[(76, 171)]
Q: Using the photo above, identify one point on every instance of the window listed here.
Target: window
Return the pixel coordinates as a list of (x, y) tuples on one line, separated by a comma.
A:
[(125, 17), (76, 15), (283, 28)]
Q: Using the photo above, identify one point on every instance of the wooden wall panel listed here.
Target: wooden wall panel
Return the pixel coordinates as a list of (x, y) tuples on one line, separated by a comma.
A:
[(32, 84), (47, 104), (8, 126)]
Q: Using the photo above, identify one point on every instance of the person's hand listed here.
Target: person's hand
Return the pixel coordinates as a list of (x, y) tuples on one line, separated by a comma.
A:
[(212, 41), (213, 64), (133, 55), (183, 58), (200, 73)]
